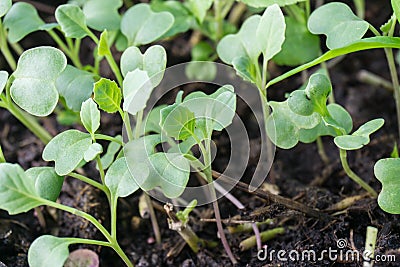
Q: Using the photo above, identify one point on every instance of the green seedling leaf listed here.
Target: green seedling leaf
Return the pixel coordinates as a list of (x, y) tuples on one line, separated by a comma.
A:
[(21, 20), (283, 125), (199, 8), (67, 150), (338, 114), (141, 25), (385, 28), (267, 3), (112, 149), (137, 90), (177, 121), (107, 95), (93, 151), (75, 86), (47, 183), (102, 14), (215, 111), (48, 251), (387, 172), (396, 9), (271, 31), (300, 45), (119, 179), (82, 258), (341, 29), (153, 61), (152, 121), (3, 80), (34, 88), (202, 51), (360, 137), (72, 21), (242, 44), (17, 192), (90, 116), (170, 171), (5, 5)]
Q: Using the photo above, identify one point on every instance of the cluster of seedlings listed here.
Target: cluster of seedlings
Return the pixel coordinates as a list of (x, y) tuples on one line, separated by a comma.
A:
[(45, 80)]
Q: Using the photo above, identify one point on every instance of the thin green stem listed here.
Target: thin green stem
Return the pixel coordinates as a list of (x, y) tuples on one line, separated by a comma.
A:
[(113, 206), (4, 48), (360, 8), (321, 151), (75, 240), (17, 48), (153, 218), (353, 176), (89, 181), (127, 123), (114, 67), (393, 73), (75, 59), (112, 241), (218, 19), (374, 30)]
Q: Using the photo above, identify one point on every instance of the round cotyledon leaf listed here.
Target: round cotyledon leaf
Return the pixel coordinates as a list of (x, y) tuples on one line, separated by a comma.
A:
[(387, 172), (47, 182), (49, 251), (34, 88)]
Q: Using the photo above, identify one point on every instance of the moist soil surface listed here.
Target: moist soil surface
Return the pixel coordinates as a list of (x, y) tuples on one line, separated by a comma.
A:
[(299, 174)]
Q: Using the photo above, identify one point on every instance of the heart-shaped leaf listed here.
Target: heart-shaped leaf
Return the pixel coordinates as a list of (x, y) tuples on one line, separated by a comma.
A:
[(93, 150), (141, 25), (21, 20), (34, 88), (3, 80), (153, 61), (215, 111), (75, 86), (72, 21), (177, 121), (387, 172), (242, 44), (137, 90), (47, 183), (119, 179), (90, 116), (341, 29), (360, 137), (245, 69), (67, 150), (4, 7), (107, 95), (17, 191), (48, 251), (267, 3), (102, 14), (271, 31), (300, 45)]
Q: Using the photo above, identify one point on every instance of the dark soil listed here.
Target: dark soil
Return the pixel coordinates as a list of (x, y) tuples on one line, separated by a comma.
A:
[(299, 174)]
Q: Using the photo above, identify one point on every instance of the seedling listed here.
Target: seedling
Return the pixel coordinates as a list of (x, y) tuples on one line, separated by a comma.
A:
[(304, 116), (386, 171)]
